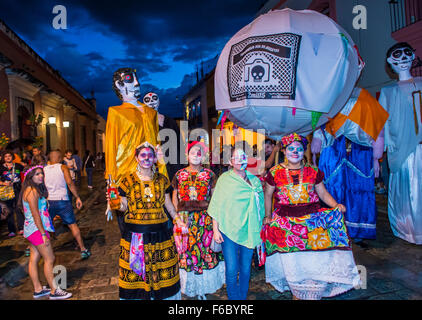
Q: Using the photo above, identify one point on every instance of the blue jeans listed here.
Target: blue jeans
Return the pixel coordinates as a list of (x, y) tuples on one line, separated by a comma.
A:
[(89, 172), (238, 260)]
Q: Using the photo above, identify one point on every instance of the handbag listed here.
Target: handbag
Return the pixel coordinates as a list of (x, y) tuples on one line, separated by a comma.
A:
[(6, 193)]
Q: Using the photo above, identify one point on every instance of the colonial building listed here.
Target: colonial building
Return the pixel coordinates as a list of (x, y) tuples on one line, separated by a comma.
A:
[(31, 86)]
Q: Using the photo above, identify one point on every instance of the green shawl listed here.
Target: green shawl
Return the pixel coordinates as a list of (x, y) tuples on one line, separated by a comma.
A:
[(238, 208)]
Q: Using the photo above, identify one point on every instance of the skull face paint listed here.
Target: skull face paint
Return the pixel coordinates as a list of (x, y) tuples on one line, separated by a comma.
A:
[(295, 152), (401, 59), (129, 87), (146, 158), (195, 155), (152, 100), (239, 159)]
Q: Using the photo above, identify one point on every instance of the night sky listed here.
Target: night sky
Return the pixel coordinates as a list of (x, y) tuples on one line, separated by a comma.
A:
[(163, 40)]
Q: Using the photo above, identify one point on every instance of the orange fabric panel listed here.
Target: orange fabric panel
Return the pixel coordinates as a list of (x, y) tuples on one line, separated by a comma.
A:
[(334, 124), (368, 114)]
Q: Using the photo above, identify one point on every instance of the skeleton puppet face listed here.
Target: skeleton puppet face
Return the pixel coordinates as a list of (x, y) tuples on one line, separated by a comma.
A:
[(151, 100), (401, 57), (126, 85)]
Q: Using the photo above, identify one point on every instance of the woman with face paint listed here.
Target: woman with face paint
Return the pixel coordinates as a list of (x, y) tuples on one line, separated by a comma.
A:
[(201, 272), (237, 207), (148, 262), (33, 201), (307, 248)]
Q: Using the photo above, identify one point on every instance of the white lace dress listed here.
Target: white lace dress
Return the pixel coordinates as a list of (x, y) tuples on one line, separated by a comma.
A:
[(312, 275), (209, 281)]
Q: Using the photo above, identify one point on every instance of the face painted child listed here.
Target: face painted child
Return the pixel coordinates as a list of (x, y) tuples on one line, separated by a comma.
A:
[(146, 158), (239, 160), (295, 152), (195, 155)]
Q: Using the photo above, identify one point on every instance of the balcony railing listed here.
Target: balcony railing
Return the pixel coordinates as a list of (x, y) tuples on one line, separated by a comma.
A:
[(403, 13)]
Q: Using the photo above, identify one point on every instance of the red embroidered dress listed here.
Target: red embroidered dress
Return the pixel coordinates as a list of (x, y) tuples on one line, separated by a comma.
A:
[(194, 194), (298, 222), (300, 201)]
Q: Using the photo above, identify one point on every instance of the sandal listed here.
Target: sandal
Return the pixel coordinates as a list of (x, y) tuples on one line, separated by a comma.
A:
[(85, 254)]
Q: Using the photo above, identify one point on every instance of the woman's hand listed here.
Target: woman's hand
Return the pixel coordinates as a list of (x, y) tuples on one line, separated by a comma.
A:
[(217, 236), (341, 207), (46, 240), (267, 220), (179, 222)]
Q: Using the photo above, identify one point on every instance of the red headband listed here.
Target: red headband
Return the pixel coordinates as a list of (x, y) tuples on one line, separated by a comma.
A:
[(194, 143)]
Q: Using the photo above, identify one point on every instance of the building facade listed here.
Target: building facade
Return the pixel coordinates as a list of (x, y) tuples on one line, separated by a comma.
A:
[(30, 86)]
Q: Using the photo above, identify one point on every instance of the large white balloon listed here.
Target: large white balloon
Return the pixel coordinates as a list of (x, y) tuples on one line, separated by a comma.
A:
[(283, 70)]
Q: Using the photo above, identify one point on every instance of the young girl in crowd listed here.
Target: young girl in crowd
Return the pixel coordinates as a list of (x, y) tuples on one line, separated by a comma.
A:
[(33, 200)]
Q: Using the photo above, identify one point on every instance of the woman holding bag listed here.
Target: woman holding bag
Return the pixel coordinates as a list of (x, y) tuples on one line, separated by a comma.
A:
[(10, 187)]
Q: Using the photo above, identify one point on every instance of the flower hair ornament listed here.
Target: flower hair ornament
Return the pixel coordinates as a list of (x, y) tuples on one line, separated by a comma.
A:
[(146, 144), (286, 140), (31, 169)]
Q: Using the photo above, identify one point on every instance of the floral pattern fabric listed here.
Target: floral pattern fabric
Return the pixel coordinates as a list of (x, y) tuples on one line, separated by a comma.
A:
[(195, 187), (283, 196), (321, 230), (29, 226)]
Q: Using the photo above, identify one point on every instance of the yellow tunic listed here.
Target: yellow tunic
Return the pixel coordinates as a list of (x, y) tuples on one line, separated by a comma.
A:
[(128, 127)]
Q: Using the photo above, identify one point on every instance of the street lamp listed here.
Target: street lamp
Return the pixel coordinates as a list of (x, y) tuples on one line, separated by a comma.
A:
[(52, 120), (65, 124)]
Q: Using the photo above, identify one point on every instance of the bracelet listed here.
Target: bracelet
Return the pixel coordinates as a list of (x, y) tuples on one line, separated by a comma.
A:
[(43, 234)]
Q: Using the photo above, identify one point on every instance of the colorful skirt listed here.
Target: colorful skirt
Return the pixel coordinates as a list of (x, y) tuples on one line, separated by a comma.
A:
[(322, 230), (161, 278), (199, 256), (200, 269)]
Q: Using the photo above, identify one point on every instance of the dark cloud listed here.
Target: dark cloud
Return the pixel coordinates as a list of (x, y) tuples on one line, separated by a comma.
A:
[(153, 35)]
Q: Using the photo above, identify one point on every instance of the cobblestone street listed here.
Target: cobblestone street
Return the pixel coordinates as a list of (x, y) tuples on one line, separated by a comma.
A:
[(393, 267)]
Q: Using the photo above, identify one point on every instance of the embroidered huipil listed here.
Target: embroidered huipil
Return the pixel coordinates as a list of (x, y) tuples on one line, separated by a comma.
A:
[(295, 200)]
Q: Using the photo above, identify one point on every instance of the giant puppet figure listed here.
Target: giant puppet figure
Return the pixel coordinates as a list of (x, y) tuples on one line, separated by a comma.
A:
[(152, 100), (287, 71), (352, 143), (403, 142), (128, 125)]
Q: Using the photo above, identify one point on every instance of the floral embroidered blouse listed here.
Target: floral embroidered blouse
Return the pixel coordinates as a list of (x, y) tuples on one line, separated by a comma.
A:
[(194, 189), (292, 198), (29, 226)]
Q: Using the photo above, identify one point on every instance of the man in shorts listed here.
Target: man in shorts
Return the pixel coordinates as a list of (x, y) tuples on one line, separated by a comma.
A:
[(57, 180)]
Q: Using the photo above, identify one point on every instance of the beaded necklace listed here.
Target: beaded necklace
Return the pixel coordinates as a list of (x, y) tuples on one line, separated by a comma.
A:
[(148, 195)]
